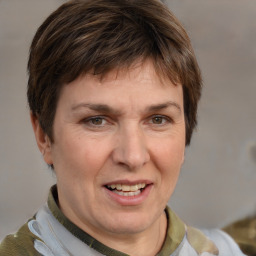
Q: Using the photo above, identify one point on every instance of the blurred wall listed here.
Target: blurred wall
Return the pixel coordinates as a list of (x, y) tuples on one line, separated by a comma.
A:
[(217, 182)]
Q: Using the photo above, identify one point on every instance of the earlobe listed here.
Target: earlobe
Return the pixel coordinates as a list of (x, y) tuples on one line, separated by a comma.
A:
[(43, 141)]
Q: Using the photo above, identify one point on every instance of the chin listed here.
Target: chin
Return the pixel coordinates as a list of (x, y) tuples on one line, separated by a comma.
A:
[(128, 229), (130, 223)]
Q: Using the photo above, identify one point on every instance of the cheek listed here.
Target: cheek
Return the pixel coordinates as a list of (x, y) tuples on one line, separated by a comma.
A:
[(168, 160), (79, 156), (170, 154)]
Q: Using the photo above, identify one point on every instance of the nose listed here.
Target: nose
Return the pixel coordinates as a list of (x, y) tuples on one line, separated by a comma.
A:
[(131, 148)]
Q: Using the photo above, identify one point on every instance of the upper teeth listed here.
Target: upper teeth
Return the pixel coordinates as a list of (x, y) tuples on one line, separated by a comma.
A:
[(127, 187)]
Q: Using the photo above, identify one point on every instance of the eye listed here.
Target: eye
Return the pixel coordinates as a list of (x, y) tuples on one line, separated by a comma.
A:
[(159, 120), (97, 121)]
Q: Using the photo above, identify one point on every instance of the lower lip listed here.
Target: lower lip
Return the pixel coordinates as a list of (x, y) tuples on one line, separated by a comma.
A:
[(130, 200)]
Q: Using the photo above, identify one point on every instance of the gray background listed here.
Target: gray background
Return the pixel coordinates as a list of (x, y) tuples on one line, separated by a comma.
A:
[(217, 182)]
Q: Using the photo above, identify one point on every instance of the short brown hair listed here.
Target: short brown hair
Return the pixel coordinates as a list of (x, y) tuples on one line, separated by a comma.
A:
[(102, 35)]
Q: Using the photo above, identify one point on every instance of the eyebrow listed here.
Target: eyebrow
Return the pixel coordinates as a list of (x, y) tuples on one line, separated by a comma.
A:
[(96, 107), (107, 109), (165, 105)]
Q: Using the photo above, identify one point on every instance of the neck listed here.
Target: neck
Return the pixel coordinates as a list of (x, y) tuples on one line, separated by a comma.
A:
[(146, 243)]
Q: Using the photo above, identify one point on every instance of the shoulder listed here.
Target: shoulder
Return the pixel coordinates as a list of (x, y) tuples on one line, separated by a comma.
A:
[(225, 244), (186, 240), (19, 244), (243, 232)]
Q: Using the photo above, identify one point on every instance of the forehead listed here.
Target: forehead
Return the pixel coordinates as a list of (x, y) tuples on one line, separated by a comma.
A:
[(139, 83)]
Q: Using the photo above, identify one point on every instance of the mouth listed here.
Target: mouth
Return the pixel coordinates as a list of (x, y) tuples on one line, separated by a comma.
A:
[(127, 190)]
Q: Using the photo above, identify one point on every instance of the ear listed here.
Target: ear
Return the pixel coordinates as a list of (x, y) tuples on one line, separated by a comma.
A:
[(43, 141), (183, 158)]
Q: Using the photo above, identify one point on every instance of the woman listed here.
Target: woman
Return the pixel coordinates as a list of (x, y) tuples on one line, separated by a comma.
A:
[(113, 91)]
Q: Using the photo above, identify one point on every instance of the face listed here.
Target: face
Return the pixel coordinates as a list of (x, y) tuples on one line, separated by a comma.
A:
[(118, 149)]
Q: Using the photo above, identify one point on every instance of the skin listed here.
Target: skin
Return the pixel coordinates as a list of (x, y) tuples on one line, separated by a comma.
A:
[(125, 128)]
